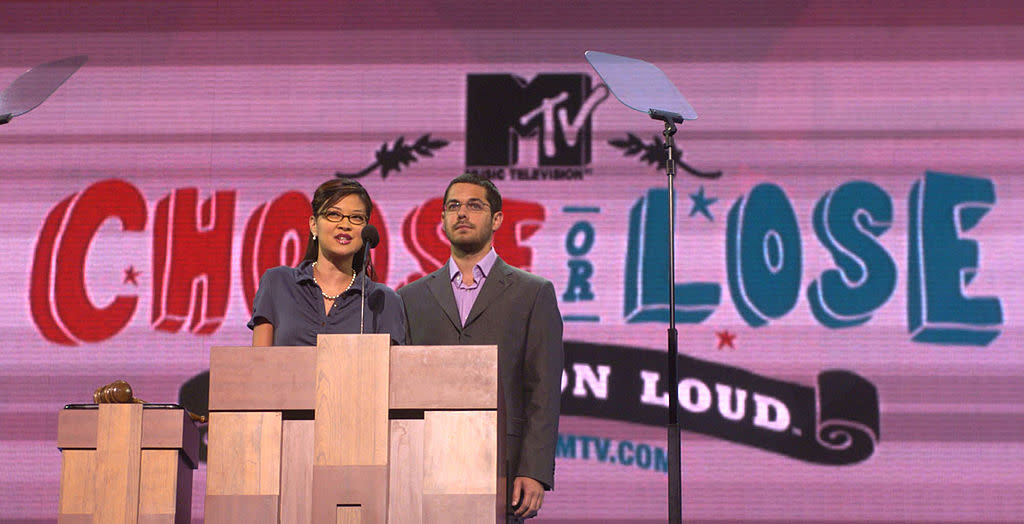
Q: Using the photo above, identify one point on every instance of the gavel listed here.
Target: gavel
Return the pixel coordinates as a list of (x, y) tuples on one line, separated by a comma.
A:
[(120, 392)]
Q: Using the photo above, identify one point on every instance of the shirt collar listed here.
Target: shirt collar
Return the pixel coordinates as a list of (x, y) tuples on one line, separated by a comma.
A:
[(485, 264), (304, 272)]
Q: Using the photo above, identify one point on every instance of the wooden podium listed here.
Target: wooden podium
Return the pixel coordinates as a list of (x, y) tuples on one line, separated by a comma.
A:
[(355, 430), (126, 463)]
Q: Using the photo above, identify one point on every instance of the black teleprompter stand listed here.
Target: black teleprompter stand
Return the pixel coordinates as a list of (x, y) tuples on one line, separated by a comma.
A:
[(643, 87)]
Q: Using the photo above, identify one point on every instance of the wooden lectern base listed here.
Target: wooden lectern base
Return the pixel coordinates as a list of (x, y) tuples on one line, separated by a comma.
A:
[(123, 463), (355, 431)]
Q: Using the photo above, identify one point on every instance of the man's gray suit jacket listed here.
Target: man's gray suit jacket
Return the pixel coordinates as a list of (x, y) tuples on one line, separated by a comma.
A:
[(518, 312)]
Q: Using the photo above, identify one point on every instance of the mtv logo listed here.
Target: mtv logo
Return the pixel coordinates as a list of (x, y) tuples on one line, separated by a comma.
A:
[(554, 108)]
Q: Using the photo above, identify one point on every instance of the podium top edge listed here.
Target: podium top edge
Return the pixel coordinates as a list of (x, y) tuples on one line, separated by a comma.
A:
[(409, 346), (147, 405)]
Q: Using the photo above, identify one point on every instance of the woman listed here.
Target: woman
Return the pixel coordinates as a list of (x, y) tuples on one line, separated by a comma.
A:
[(323, 294)]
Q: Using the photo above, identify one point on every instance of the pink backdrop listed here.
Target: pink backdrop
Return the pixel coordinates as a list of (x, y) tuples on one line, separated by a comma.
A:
[(115, 267)]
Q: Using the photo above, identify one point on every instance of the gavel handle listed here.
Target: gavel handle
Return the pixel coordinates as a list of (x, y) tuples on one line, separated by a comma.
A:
[(202, 419), (120, 391)]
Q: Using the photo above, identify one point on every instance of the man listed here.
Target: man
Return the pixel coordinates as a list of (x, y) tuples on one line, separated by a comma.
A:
[(476, 298)]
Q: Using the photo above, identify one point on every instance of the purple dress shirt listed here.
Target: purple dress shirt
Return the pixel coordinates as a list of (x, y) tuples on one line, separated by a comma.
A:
[(465, 295)]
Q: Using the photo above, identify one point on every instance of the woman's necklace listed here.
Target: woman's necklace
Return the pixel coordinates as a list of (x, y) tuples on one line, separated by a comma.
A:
[(332, 297)]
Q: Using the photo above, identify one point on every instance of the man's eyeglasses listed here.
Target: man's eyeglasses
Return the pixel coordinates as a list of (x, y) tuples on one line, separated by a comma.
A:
[(474, 206), (337, 216)]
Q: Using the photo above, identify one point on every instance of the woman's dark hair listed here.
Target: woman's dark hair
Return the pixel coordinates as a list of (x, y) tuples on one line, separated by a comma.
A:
[(325, 196)]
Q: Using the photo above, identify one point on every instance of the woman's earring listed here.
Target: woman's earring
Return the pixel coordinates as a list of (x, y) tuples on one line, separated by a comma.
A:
[(314, 237)]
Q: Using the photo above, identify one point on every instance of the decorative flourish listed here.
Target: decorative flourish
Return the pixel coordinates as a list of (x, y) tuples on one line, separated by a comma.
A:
[(654, 154), (399, 155)]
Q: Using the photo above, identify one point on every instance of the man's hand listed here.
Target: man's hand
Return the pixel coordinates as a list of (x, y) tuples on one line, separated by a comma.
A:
[(528, 495)]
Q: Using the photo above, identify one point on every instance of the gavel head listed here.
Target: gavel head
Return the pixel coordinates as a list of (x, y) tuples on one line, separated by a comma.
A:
[(117, 392)]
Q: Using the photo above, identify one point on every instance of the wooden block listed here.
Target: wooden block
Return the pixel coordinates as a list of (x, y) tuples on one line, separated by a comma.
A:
[(183, 513), (460, 452), (74, 519), (161, 428), (118, 463), (261, 378), (405, 474), (349, 515), (455, 377), (363, 486), (351, 426), (244, 454), (460, 508), (77, 482), (159, 482), (76, 428), (171, 429), (245, 509), (161, 518), (296, 472)]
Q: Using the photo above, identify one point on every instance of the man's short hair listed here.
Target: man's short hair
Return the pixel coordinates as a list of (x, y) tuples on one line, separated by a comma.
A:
[(493, 196)]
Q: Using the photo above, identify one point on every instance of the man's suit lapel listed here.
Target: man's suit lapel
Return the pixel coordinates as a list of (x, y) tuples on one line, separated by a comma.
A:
[(499, 279), (441, 287)]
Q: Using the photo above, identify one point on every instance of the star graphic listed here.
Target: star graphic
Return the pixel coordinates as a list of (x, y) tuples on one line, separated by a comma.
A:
[(725, 339), (701, 203), (130, 276)]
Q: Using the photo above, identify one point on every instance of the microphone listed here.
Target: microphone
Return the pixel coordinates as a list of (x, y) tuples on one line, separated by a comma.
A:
[(370, 240), (370, 236)]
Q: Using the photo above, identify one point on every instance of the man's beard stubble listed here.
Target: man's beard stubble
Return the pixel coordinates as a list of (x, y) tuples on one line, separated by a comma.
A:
[(467, 245)]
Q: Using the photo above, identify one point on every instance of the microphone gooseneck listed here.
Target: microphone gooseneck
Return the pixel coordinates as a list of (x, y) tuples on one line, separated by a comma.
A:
[(370, 240)]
